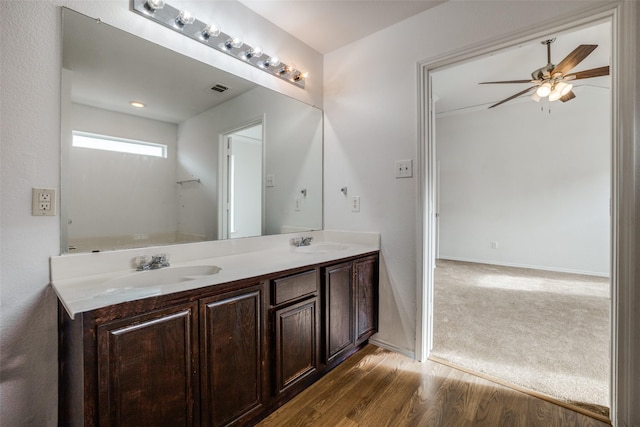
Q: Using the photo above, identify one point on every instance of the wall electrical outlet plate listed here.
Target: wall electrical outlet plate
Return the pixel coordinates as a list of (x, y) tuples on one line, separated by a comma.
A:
[(271, 180), (404, 168), (43, 202)]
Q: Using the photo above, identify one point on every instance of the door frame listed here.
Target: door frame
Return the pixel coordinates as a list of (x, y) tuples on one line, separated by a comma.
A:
[(223, 136), (623, 16)]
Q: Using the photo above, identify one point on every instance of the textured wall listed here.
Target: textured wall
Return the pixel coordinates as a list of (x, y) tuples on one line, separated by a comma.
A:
[(371, 120), (30, 96)]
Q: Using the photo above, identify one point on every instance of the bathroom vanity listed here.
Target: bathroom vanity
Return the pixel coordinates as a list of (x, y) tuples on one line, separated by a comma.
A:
[(224, 348)]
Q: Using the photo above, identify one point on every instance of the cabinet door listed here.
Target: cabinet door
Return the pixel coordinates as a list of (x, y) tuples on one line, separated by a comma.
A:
[(366, 284), (232, 353), (147, 369), (339, 308), (296, 344)]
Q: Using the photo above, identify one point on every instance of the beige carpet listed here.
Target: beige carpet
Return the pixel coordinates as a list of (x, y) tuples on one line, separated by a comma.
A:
[(545, 331)]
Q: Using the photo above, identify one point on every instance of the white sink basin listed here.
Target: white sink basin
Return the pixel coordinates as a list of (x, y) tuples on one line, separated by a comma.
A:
[(162, 276), (321, 248)]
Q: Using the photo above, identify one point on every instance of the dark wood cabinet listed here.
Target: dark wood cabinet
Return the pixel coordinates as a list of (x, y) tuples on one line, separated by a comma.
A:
[(350, 292), (148, 369), (233, 376), (296, 345), (366, 298), (339, 313), (296, 325), (226, 354)]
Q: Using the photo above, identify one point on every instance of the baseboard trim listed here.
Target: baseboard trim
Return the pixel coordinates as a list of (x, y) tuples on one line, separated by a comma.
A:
[(532, 267), (536, 394), (388, 346)]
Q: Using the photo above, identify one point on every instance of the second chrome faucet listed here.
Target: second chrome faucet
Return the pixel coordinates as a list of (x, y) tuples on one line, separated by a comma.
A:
[(301, 241), (153, 263)]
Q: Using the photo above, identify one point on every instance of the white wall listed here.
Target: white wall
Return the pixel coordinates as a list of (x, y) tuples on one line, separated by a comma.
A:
[(117, 194), (371, 120), (295, 165), (30, 62), (536, 183)]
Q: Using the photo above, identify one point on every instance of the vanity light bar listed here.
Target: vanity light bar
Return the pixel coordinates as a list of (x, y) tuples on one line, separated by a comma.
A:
[(183, 22)]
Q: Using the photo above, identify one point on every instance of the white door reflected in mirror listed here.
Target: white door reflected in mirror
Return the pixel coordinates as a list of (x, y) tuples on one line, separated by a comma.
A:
[(242, 169)]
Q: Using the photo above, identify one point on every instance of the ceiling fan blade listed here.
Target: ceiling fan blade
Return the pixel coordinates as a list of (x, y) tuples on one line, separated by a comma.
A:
[(574, 58), (594, 72), (506, 81), (514, 96), (568, 97)]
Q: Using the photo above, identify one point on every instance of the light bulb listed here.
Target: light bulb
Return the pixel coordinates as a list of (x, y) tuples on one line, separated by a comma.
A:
[(184, 18), (300, 76), (253, 52), (544, 90), (153, 5), (274, 61), (209, 31), (233, 42), (136, 104), (535, 97)]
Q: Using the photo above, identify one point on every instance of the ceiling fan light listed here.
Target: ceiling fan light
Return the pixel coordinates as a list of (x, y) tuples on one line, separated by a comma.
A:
[(544, 90), (565, 88), (555, 94), (535, 97)]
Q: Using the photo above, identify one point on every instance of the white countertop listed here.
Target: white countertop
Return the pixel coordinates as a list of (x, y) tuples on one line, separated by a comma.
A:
[(84, 292)]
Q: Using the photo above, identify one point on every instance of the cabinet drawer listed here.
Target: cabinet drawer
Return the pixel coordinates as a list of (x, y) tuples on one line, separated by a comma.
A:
[(293, 287)]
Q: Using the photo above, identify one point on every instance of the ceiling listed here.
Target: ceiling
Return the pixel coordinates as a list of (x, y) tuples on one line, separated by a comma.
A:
[(457, 87), (327, 25), (98, 51)]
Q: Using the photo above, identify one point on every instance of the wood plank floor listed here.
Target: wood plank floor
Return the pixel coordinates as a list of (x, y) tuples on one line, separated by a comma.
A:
[(377, 387)]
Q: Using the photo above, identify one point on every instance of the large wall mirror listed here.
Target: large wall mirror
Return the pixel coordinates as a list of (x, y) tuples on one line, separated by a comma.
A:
[(209, 156)]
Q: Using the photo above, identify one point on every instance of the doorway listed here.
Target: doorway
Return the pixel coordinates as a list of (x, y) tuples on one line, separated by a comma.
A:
[(437, 243), (241, 182)]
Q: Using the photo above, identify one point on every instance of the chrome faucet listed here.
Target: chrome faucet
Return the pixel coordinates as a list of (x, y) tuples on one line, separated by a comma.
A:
[(301, 241), (153, 263)]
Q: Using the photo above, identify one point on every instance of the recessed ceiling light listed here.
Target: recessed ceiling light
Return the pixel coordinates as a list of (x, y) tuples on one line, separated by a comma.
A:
[(137, 104)]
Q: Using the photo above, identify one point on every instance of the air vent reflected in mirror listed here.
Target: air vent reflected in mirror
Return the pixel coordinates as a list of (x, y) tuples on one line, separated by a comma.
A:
[(220, 88)]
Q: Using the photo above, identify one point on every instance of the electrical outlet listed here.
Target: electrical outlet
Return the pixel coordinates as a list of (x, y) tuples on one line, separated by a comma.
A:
[(494, 245), (43, 202), (355, 204), (404, 168), (271, 180), (298, 203)]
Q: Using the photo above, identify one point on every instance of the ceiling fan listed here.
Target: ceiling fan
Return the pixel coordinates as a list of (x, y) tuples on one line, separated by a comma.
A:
[(553, 81)]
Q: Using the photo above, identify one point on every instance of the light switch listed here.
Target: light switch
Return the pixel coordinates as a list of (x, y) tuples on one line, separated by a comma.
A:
[(355, 204)]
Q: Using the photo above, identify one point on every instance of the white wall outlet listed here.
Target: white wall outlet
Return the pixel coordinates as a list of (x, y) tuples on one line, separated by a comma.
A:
[(355, 204), (43, 202), (298, 203), (494, 245), (404, 168), (271, 180)]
